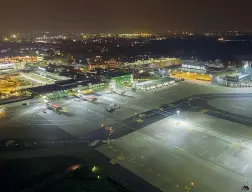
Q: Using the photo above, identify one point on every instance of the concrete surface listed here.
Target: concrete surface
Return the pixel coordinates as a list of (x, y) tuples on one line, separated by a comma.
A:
[(192, 149)]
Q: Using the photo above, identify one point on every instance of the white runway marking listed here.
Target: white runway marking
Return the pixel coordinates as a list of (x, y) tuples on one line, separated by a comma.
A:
[(236, 106)]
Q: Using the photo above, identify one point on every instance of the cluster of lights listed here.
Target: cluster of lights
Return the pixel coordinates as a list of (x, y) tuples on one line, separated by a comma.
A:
[(2, 113), (167, 61), (37, 78), (136, 35), (8, 84), (18, 59), (123, 79), (106, 64), (12, 37), (51, 37), (191, 76), (155, 86)]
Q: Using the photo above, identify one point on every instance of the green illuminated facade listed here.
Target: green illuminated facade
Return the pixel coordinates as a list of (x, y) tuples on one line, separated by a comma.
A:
[(118, 79), (122, 80)]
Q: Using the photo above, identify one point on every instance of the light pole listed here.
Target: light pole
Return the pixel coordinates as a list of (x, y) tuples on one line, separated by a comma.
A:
[(178, 112)]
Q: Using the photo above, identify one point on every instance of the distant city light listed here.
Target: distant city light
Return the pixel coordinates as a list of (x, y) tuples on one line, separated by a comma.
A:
[(14, 36), (74, 167)]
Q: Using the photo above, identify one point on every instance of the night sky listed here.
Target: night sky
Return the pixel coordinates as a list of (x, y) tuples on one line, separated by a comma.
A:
[(125, 15)]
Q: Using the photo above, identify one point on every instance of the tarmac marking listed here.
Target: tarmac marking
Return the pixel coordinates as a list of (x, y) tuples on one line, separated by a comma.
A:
[(120, 157), (2, 114), (113, 161), (94, 143), (178, 148), (236, 145), (139, 120), (244, 168), (9, 142), (239, 107), (204, 111)]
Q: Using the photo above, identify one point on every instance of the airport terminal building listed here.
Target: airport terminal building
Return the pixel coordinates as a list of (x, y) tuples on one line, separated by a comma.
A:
[(200, 67), (151, 85), (6, 67), (239, 80), (156, 63)]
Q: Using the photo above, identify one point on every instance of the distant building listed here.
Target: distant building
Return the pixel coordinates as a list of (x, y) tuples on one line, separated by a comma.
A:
[(17, 62), (6, 66), (150, 85), (194, 64), (238, 78), (117, 77), (162, 62)]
